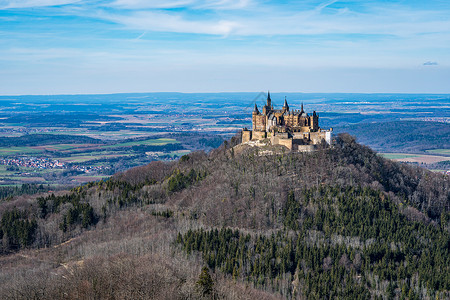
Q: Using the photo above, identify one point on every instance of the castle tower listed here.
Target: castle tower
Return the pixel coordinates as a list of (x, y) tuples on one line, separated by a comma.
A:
[(268, 107), (285, 106), (255, 116), (314, 122)]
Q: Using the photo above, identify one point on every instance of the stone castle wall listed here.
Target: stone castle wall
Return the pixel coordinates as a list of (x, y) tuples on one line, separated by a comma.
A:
[(246, 136)]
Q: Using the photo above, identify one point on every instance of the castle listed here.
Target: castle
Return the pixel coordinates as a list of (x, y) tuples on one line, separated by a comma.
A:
[(294, 129)]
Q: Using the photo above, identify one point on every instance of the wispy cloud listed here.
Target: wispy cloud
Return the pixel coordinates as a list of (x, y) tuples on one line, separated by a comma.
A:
[(192, 4), (430, 63), (8, 4), (225, 4), (165, 22), (325, 4), (258, 19), (149, 4)]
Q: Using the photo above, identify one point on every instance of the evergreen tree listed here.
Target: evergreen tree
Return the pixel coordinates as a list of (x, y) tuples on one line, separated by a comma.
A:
[(205, 283)]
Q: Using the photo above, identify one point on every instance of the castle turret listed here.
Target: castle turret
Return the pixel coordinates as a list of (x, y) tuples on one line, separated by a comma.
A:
[(268, 107), (314, 122), (285, 106), (255, 110), (256, 115)]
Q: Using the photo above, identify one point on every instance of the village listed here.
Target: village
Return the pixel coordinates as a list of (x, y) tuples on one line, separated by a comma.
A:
[(47, 163)]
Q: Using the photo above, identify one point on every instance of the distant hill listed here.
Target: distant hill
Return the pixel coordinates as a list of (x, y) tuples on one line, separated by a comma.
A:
[(45, 139), (401, 136), (340, 222)]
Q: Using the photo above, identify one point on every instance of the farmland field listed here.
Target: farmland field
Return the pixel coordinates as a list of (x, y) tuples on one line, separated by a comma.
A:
[(396, 156), (156, 142), (66, 147), (8, 151), (425, 159), (440, 151), (86, 158), (416, 158)]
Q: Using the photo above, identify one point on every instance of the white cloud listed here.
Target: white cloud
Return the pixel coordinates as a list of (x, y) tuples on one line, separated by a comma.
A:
[(325, 4), (225, 4), (158, 21), (193, 4), (149, 4), (311, 22), (7, 4)]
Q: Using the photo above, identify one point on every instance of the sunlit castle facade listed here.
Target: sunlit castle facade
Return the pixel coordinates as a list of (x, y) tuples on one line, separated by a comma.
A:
[(294, 129)]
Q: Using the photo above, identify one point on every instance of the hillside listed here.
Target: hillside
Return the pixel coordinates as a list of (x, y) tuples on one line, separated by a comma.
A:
[(341, 222)]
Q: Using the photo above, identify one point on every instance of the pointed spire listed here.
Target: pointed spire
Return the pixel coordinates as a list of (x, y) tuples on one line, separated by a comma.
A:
[(302, 107), (285, 105), (256, 109), (269, 101)]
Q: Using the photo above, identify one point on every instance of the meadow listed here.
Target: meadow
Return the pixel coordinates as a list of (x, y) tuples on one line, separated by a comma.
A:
[(440, 151)]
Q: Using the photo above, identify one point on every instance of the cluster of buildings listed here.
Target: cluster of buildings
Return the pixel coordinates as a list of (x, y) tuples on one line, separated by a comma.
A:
[(294, 129), (33, 162), (47, 163), (88, 169)]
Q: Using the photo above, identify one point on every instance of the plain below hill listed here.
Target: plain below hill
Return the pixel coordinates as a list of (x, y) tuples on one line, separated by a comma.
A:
[(341, 222)]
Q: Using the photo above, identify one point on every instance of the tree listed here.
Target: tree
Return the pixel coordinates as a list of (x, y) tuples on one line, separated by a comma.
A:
[(205, 283)]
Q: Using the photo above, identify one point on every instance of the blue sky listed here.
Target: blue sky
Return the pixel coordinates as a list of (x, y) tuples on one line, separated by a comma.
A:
[(108, 46)]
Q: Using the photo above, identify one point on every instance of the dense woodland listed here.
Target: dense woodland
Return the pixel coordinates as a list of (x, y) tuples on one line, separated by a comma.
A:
[(45, 139), (8, 192), (237, 223)]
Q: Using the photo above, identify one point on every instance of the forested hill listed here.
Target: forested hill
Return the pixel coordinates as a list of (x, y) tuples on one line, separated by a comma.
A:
[(45, 139), (237, 223)]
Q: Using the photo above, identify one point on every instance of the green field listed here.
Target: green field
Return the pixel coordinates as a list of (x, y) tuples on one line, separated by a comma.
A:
[(4, 172), (398, 155), (440, 151), (7, 151), (152, 142), (85, 158), (65, 147), (87, 178), (438, 170), (26, 179), (178, 153)]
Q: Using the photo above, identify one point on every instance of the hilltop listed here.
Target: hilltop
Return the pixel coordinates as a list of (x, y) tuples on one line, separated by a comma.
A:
[(337, 222)]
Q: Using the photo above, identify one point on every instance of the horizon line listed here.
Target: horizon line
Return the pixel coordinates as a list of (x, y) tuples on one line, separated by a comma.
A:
[(223, 92)]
